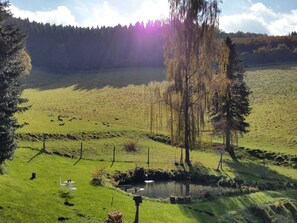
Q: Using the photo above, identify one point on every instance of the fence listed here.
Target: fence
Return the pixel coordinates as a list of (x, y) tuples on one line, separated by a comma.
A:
[(106, 150)]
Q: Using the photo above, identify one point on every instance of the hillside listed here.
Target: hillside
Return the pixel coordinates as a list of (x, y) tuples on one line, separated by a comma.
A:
[(98, 97), (103, 112)]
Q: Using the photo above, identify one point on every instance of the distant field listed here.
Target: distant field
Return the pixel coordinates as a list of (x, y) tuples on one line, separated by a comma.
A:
[(273, 118), (117, 100), (116, 97)]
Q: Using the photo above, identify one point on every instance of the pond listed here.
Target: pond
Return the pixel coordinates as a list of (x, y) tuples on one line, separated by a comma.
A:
[(163, 190)]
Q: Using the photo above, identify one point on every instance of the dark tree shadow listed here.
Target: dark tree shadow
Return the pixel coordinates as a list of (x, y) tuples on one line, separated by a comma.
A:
[(198, 167), (211, 210), (45, 80), (39, 153), (251, 171), (77, 161)]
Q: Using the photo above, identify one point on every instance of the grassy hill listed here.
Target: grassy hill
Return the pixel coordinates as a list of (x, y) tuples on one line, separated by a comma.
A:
[(107, 109), (274, 109), (120, 97)]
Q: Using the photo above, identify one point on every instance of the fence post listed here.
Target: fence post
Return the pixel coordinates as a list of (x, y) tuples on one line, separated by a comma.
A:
[(148, 157), (113, 157), (81, 150), (43, 146)]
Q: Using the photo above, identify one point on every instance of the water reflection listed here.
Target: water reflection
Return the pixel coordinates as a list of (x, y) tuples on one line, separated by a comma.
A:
[(173, 188)]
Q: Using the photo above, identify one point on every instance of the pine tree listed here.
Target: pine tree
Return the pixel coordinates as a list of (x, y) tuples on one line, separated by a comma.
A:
[(231, 107), (11, 69)]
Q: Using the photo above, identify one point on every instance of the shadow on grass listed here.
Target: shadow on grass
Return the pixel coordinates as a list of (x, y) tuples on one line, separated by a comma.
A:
[(211, 210), (39, 153), (67, 195), (198, 168), (251, 171), (77, 161), (45, 80)]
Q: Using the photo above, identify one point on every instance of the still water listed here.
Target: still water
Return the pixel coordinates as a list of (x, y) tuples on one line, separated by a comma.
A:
[(173, 188)]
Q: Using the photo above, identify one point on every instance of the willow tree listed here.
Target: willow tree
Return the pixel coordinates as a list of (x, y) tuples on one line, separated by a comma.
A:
[(188, 53), (13, 63)]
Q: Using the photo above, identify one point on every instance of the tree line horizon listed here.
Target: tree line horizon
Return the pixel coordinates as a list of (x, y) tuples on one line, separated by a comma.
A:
[(70, 48)]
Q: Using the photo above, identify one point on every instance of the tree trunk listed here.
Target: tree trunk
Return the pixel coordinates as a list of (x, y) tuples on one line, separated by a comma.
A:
[(187, 121), (229, 148)]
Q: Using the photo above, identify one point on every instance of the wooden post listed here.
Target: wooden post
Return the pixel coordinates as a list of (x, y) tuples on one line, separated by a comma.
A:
[(43, 146), (81, 150), (113, 157), (264, 168), (148, 156)]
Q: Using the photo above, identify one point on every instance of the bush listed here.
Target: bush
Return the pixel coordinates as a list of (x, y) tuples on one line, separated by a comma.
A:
[(130, 146), (98, 176), (115, 217)]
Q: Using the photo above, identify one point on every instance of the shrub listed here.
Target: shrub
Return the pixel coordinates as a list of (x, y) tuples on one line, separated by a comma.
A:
[(98, 176), (115, 217), (130, 146)]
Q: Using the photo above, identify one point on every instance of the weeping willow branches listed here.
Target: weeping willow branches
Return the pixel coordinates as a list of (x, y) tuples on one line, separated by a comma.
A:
[(191, 66)]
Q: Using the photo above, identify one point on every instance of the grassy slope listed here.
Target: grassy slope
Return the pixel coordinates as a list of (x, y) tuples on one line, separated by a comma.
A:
[(274, 109), (39, 200), (96, 100), (100, 97)]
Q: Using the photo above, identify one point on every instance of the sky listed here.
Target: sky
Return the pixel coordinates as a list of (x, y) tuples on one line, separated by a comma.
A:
[(272, 17)]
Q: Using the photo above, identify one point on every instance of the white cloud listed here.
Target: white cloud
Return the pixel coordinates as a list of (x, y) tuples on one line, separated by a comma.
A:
[(151, 10), (105, 14), (261, 19), (99, 13), (60, 16)]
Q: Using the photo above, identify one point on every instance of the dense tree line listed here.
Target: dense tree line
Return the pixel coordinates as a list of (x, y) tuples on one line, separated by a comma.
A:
[(68, 48)]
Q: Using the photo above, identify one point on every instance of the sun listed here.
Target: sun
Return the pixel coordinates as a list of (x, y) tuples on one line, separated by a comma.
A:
[(152, 10)]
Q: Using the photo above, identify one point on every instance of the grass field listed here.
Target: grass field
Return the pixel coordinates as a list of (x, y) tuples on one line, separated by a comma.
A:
[(112, 106), (120, 98), (274, 109), (40, 200)]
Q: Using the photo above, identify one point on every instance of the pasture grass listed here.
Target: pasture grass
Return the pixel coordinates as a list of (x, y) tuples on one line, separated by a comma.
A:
[(40, 200), (121, 98), (274, 110)]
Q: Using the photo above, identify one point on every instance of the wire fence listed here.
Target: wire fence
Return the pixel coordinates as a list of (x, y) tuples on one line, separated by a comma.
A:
[(106, 150)]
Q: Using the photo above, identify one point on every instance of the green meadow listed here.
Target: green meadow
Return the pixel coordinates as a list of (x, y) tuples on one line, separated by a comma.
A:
[(107, 109)]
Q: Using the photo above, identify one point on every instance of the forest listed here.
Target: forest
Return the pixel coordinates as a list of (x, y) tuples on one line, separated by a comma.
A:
[(71, 48)]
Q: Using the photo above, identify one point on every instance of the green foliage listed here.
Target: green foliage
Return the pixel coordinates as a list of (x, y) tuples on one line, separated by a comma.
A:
[(230, 107), (98, 176), (11, 68), (192, 30)]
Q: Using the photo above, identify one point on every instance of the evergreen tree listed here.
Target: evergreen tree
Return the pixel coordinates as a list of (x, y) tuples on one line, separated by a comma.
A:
[(231, 106), (11, 69)]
